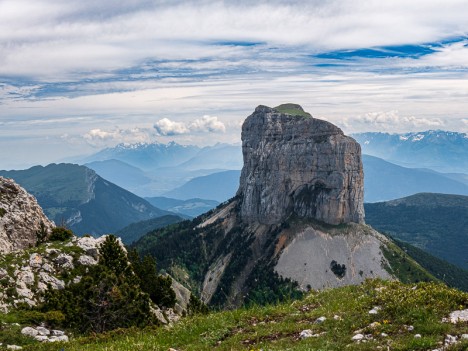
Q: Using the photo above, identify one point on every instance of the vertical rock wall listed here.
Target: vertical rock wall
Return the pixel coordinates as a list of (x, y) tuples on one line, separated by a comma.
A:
[(296, 164)]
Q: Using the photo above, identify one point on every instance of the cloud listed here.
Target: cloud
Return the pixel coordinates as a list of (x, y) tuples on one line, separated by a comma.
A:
[(390, 121), (98, 137), (167, 127), (206, 124)]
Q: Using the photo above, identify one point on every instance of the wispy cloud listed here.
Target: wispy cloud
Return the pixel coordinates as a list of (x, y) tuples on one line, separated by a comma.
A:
[(141, 70)]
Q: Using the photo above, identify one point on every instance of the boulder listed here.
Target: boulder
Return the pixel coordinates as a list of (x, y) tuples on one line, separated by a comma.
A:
[(64, 261), (28, 331), (46, 279), (86, 260), (35, 260), (43, 331), (459, 316)]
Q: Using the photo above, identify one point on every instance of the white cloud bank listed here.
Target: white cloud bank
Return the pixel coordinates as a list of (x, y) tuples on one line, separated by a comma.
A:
[(206, 124), (98, 137), (390, 121)]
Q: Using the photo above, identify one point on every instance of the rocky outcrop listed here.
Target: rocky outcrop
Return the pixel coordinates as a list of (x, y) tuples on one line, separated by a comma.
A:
[(297, 221), (20, 217), (297, 164)]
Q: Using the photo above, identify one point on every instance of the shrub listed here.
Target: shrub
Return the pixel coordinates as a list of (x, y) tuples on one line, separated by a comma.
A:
[(338, 269), (60, 234), (41, 234), (2, 212)]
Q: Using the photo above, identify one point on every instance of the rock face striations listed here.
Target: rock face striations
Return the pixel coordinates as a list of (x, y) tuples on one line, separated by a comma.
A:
[(20, 217), (296, 164)]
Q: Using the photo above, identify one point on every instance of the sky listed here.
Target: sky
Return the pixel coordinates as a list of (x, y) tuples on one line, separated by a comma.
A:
[(79, 76)]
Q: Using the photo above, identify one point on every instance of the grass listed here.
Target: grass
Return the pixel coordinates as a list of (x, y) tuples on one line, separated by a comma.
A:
[(292, 109), (277, 327)]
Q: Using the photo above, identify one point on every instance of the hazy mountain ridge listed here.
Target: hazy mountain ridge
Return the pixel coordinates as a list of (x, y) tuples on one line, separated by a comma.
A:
[(218, 186), (76, 196), (147, 156), (443, 151), (153, 169), (387, 181), (436, 223)]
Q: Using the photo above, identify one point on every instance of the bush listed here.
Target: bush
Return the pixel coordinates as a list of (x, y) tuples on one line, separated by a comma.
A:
[(36, 317), (41, 234), (2, 212), (60, 234)]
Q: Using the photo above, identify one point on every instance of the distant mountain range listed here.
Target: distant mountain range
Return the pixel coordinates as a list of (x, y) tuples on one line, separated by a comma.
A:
[(190, 207), (174, 170), (147, 156), (441, 151), (382, 181), (153, 169), (436, 223), (386, 181), (77, 197), (217, 186)]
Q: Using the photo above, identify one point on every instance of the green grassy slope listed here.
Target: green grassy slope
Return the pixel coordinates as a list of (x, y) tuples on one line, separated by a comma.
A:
[(436, 223), (448, 273), (292, 109), (278, 327)]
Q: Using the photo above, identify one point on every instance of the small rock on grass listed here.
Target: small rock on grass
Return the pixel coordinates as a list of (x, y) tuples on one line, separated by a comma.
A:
[(320, 320), (375, 310), (357, 337)]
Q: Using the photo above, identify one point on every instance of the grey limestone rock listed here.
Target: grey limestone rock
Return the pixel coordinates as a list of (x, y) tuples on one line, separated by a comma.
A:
[(20, 217), (43, 331), (46, 279), (86, 260), (64, 261), (28, 331), (35, 260), (296, 164)]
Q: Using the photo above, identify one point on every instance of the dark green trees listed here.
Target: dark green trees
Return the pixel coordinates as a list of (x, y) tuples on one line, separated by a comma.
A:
[(107, 297), (60, 234), (158, 287)]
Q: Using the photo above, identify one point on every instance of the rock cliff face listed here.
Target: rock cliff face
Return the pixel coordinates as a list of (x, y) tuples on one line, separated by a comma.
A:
[(295, 223), (296, 164), (20, 217)]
